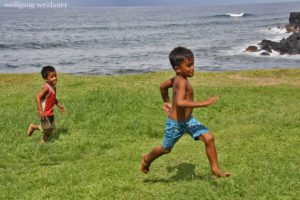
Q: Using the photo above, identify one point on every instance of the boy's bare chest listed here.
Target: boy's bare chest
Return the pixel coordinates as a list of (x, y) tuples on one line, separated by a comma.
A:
[(189, 91)]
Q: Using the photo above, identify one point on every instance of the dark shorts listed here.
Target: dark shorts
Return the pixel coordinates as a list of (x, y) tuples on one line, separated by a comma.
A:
[(48, 125), (175, 129)]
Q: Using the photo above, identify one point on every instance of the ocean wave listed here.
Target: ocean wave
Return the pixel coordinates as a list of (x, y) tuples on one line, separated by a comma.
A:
[(30, 45), (6, 65), (235, 14), (274, 33), (276, 30), (67, 63), (228, 15), (47, 45), (274, 54), (131, 71), (60, 29)]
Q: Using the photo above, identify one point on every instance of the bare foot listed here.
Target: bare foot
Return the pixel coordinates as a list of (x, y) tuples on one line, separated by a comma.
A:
[(221, 174), (145, 165), (30, 130)]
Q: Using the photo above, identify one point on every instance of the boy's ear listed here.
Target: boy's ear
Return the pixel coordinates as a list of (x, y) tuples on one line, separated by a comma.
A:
[(177, 69)]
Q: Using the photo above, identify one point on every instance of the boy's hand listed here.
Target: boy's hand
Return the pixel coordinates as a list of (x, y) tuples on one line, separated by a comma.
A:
[(212, 100), (167, 107), (61, 108), (41, 115)]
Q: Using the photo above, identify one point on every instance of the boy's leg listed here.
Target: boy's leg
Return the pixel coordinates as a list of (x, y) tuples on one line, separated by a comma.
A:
[(173, 132), (212, 156), (45, 138), (48, 127), (32, 128), (155, 153)]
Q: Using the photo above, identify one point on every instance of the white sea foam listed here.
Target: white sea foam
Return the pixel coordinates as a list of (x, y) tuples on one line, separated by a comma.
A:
[(274, 54), (235, 14), (275, 34)]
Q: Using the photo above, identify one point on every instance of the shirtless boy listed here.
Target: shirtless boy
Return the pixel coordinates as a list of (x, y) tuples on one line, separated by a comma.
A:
[(180, 119)]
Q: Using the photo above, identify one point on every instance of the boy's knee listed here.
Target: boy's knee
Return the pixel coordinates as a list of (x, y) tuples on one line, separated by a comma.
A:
[(166, 151), (207, 138)]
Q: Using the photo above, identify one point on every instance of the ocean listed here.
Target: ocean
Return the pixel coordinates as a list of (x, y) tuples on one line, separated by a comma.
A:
[(126, 40)]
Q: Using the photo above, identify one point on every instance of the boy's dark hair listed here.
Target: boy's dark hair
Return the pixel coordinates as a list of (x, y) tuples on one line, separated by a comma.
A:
[(45, 71), (178, 54)]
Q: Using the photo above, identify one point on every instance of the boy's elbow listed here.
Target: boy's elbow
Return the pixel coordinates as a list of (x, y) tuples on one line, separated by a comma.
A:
[(180, 104), (37, 98), (161, 87)]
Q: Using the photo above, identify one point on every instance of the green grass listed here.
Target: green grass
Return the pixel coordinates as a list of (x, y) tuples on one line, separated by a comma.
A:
[(111, 121)]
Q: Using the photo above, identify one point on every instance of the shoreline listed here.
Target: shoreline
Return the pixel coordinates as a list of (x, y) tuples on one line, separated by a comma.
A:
[(153, 72)]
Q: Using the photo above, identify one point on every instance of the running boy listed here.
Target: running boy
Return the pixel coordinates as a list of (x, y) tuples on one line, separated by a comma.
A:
[(46, 99), (180, 118)]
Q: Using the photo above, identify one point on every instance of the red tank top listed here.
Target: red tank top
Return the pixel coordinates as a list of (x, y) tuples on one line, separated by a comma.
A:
[(49, 101)]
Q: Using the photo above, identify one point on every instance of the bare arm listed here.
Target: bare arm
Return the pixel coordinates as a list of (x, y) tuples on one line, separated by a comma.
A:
[(164, 89), (194, 104), (185, 103), (38, 99), (61, 107)]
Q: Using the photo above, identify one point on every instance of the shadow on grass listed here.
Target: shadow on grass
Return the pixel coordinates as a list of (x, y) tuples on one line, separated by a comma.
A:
[(184, 172), (57, 134)]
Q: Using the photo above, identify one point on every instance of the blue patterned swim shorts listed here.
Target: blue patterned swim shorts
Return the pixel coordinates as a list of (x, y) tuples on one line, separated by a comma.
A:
[(175, 129)]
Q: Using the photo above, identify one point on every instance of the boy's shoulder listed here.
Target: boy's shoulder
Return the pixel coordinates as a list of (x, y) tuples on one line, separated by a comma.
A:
[(48, 87), (179, 80), (45, 85)]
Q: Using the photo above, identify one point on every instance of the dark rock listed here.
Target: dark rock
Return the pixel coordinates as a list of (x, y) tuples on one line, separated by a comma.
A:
[(270, 44), (283, 52), (264, 54), (294, 18), (251, 49), (294, 23), (291, 45), (266, 48)]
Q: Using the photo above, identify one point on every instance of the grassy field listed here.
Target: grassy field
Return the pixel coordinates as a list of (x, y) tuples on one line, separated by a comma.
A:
[(111, 121)]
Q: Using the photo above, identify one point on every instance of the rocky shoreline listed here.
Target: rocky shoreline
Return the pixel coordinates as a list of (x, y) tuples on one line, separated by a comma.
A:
[(289, 46)]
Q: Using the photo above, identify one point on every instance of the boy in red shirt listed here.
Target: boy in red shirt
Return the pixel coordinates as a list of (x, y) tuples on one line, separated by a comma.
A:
[(46, 99)]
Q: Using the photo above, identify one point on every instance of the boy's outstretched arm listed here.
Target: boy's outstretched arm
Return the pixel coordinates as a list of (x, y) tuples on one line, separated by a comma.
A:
[(183, 102)]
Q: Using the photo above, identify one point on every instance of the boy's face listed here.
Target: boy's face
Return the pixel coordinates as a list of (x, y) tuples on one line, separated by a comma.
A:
[(51, 78), (186, 68)]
